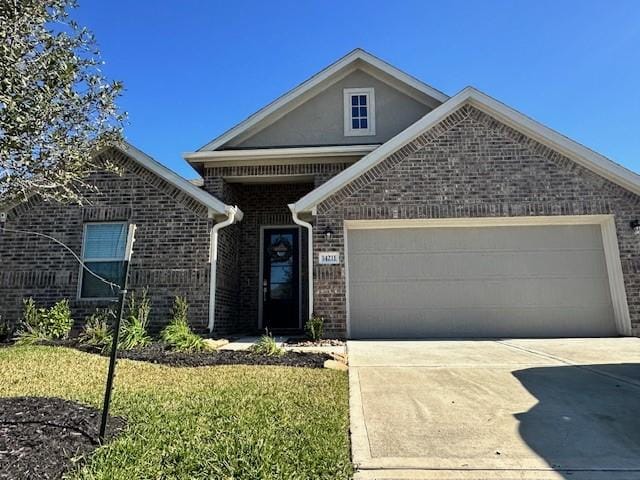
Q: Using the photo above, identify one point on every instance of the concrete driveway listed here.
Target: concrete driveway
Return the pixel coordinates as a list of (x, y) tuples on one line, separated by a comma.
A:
[(503, 409)]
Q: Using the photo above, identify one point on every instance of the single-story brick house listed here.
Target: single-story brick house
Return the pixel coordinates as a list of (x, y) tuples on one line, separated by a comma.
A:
[(365, 196)]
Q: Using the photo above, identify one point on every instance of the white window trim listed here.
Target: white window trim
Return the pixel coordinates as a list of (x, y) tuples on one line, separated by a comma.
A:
[(371, 119), (93, 260)]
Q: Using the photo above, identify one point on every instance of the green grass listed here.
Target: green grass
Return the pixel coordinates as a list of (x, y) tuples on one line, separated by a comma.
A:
[(228, 422)]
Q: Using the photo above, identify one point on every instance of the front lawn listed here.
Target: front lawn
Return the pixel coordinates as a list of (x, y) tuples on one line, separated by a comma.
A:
[(225, 422)]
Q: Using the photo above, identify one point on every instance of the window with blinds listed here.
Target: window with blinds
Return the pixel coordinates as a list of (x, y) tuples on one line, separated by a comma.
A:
[(103, 251)]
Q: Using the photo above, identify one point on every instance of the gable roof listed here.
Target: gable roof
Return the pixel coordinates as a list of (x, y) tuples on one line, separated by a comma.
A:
[(527, 126), (215, 206), (357, 58)]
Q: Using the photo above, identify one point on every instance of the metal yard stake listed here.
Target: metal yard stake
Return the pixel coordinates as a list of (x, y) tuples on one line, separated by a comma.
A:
[(116, 333)]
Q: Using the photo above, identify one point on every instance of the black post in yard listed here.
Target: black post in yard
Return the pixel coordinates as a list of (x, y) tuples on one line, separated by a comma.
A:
[(116, 335)]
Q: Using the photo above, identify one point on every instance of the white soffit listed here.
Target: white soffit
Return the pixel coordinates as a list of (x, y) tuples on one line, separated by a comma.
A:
[(279, 153)]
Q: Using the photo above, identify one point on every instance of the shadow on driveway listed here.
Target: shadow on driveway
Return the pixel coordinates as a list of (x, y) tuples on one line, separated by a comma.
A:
[(587, 417)]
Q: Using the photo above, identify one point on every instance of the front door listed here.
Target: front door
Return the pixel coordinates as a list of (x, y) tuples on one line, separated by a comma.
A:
[(280, 278)]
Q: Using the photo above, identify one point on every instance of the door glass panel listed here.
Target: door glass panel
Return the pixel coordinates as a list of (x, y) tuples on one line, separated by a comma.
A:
[(281, 273), (281, 291)]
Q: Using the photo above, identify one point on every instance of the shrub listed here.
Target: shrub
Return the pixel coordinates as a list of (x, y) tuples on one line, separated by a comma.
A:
[(97, 331), (41, 324), (6, 329), (267, 345), (178, 334), (134, 328), (58, 321), (314, 327)]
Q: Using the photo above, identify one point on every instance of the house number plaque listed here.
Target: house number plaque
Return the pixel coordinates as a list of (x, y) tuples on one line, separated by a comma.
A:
[(329, 258)]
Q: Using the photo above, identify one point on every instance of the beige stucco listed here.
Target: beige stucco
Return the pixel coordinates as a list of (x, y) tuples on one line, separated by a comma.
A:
[(319, 121)]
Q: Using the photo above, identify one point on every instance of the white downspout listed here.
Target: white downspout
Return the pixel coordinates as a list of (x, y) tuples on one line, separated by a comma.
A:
[(309, 227), (213, 261)]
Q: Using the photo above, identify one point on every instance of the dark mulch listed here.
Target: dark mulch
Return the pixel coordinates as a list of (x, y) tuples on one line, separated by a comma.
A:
[(44, 437), (157, 352)]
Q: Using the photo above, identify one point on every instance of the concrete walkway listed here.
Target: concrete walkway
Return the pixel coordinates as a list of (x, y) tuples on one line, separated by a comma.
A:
[(507, 409)]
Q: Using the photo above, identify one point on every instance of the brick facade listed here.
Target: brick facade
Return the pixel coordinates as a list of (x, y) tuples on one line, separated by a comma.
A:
[(170, 255), (471, 165), (263, 204)]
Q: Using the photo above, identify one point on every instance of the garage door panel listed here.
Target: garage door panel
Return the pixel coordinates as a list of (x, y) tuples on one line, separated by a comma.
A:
[(436, 265), (482, 323), (469, 293), (479, 281), (484, 238)]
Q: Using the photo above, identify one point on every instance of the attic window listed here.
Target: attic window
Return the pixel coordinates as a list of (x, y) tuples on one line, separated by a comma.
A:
[(359, 112)]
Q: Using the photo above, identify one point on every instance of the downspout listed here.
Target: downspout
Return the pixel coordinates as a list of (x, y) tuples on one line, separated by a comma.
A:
[(309, 227), (213, 262)]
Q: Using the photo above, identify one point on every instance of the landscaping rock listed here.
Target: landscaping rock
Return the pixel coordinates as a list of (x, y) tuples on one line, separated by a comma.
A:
[(335, 365), (215, 344), (43, 437)]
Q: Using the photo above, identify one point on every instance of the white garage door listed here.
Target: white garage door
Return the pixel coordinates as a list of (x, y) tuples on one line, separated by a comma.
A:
[(511, 281)]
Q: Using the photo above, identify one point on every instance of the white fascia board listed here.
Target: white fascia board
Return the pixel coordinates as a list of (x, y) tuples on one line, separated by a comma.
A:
[(314, 81), (529, 127), (215, 206), (267, 153), (404, 77)]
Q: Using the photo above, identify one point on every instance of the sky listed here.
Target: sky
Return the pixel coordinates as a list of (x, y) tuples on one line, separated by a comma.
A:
[(193, 69)]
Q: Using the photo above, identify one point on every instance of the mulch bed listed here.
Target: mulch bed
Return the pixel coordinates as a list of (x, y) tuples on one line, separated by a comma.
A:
[(305, 342), (159, 353), (44, 437)]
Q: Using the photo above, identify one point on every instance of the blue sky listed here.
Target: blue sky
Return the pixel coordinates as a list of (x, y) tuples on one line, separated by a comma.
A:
[(192, 69)]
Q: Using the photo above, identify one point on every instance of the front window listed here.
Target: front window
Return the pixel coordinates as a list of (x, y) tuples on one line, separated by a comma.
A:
[(359, 111), (103, 252)]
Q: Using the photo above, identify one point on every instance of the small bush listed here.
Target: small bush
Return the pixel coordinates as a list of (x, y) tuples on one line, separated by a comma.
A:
[(267, 345), (32, 315), (58, 321), (41, 324), (134, 329), (97, 330), (314, 327), (178, 334), (6, 330)]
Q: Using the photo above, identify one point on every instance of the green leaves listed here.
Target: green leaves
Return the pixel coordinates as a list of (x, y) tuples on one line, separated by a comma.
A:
[(178, 335), (40, 324), (56, 107), (134, 328)]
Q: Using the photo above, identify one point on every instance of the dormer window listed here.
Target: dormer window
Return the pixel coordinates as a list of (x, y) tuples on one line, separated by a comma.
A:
[(359, 112)]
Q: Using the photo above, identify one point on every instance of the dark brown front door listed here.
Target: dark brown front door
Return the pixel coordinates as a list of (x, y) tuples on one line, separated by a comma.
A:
[(281, 279)]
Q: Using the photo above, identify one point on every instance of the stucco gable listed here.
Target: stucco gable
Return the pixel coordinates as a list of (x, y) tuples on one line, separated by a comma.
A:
[(356, 59), (319, 120)]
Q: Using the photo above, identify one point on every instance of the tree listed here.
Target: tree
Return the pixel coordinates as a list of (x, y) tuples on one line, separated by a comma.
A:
[(56, 107)]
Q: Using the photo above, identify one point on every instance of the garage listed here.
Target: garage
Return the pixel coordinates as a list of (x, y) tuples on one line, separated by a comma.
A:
[(506, 278)]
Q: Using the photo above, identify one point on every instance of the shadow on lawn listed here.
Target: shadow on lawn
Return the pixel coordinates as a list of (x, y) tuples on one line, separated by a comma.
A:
[(585, 418)]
